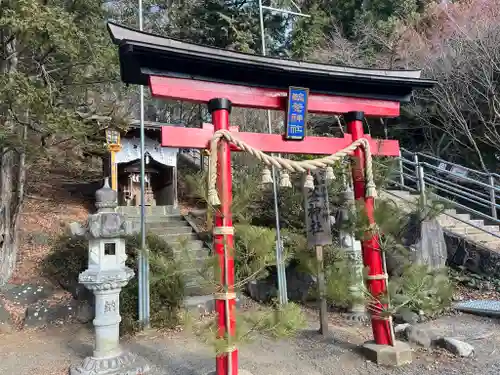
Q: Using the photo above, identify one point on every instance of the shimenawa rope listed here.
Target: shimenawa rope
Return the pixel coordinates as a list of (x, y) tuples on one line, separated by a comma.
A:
[(281, 163)]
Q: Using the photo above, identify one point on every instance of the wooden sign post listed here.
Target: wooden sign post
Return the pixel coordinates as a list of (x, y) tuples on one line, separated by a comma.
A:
[(319, 234)]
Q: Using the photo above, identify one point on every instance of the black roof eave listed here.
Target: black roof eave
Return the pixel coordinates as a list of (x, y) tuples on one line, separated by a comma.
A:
[(143, 57)]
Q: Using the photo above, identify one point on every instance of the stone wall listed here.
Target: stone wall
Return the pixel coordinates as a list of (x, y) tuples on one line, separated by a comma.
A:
[(474, 257)]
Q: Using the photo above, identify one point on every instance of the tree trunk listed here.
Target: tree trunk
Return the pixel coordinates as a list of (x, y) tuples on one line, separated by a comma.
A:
[(12, 177), (9, 237)]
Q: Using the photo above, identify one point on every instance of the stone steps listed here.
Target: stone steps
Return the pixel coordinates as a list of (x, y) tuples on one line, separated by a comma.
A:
[(158, 220), (187, 247), (193, 254), (150, 210), (176, 230), (191, 245), (473, 230), (167, 225)]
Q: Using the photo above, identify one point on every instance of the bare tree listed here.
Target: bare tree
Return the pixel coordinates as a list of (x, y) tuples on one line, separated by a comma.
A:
[(463, 55)]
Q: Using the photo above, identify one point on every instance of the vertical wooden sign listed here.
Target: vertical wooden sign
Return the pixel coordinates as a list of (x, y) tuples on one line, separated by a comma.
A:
[(319, 233)]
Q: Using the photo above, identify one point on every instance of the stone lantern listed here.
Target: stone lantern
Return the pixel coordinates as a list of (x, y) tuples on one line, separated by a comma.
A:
[(105, 276)]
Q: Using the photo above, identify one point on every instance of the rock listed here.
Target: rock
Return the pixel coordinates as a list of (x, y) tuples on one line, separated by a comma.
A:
[(26, 294), (6, 324), (299, 284), (426, 244), (405, 315), (419, 336), (401, 328), (262, 290), (457, 347)]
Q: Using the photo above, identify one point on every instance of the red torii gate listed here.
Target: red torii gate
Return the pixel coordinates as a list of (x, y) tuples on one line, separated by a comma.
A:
[(177, 70)]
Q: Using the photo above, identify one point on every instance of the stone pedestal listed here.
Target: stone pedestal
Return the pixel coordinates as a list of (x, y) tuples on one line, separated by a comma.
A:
[(124, 363), (385, 355), (105, 276)]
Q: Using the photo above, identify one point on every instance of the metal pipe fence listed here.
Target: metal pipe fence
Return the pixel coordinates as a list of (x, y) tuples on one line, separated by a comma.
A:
[(464, 189)]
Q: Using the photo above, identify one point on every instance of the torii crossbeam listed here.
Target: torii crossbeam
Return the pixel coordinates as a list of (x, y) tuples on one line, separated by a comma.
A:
[(189, 72)]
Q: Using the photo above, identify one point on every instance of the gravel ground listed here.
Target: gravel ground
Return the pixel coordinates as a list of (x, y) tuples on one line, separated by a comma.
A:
[(51, 351)]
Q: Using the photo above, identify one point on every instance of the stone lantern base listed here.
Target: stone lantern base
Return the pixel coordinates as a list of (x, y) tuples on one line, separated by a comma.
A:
[(123, 364)]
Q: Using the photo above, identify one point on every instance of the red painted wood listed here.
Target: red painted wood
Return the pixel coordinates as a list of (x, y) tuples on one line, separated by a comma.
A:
[(224, 246), (371, 246), (264, 98), (199, 138), (209, 126)]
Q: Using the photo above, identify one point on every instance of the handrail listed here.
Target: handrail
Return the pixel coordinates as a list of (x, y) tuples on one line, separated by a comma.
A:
[(453, 186), (474, 193), (466, 196), (458, 177), (425, 155)]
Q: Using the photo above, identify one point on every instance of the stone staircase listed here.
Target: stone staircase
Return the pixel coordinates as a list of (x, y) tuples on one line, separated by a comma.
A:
[(463, 225), (477, 243), (167, 223)]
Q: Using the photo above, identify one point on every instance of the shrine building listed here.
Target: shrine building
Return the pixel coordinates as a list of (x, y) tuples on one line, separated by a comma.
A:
[(124, 167)]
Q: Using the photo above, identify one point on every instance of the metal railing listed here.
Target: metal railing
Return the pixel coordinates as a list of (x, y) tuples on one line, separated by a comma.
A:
[(464, 189)]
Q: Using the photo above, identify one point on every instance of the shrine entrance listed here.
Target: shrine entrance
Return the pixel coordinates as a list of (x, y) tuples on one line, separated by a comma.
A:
[(223, 79)]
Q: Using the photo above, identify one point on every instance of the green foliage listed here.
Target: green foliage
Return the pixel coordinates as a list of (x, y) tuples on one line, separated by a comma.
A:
[(422, 290), (308, 33), (245, 193), (60, 54), (339, 276), (220, 23), (275, 321), (255, 250), (69, 257)]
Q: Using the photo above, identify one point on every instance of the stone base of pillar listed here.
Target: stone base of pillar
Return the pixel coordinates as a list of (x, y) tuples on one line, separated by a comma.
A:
[(123, 364), (386, 355)]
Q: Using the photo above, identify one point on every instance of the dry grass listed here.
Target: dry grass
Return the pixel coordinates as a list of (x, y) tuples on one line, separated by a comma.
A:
[(47, 209), (41, 221)]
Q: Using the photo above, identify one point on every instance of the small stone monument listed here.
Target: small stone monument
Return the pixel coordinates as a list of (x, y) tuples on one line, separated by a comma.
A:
[(105, 277), (353, 250)]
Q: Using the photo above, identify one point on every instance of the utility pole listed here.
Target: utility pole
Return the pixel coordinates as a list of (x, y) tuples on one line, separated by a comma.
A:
[(282, 287), (143, 266)]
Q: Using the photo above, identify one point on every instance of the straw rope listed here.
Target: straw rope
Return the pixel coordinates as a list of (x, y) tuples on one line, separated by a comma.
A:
[(222, 231), (382, 276), (225, 296), (282, 163)]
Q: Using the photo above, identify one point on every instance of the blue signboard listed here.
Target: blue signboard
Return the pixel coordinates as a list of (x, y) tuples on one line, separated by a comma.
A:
[(296, 116)]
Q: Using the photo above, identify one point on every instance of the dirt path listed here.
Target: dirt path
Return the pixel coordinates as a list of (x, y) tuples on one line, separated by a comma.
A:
[(51, 351)]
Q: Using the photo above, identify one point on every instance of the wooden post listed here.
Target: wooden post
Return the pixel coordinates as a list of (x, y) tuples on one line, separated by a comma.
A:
[(323, 322), (113, 149), (319, 233)]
